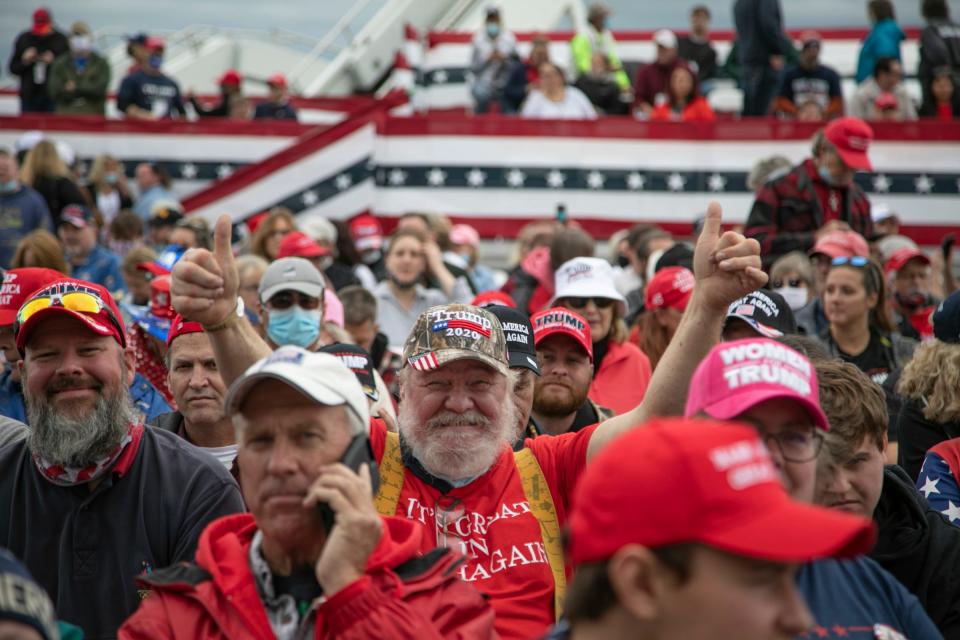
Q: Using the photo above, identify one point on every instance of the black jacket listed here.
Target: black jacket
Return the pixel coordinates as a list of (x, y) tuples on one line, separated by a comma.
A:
[(53, 41), (760, 35), (920, 548), (85, 548), (58, 193)]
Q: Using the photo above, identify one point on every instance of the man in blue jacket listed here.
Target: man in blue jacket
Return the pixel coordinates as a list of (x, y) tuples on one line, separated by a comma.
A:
[(22, 210), (89, 260)]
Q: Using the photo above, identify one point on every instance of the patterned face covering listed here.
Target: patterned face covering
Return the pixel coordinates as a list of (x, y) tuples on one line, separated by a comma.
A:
[(72, 476)]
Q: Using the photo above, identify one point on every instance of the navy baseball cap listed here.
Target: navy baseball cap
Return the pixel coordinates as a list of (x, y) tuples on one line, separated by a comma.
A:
[(28, 602), (521, 350), (946, 319), (357, 360)]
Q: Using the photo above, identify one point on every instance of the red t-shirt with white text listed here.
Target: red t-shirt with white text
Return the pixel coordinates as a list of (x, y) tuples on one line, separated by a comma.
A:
[(495, 529)]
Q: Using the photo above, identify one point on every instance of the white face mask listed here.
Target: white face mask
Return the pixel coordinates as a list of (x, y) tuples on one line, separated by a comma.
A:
[(796, 297), (81, 43)]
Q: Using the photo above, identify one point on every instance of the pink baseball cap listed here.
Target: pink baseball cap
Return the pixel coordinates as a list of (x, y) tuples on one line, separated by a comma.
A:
[(560, 320), (737, 376), (841, 244), (464, 234)]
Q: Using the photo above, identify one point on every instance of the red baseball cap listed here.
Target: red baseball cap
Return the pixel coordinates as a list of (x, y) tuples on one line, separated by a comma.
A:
[(851, 137), (886, 100), (85, 301), (559, 320), (367, 233), (254, 221), (231, 77), (737, 376), (17, 286), (297, 244), (670, 287), (41, 21), (180, 327), (841, 244), (76, 215), (901, 257), (493, 298), (705, 482), (277, 80), (154, 42)]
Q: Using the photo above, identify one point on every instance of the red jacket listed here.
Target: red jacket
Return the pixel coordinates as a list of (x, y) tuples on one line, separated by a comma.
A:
[(697, 109), (622, 379), (401, 595)]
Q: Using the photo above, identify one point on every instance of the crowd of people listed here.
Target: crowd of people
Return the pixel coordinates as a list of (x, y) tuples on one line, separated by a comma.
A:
[(63, 73), (291, 426), (776, 76), (298, 426)]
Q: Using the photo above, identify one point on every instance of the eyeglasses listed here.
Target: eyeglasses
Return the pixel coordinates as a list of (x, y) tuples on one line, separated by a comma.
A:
[(856, 261), (446, 512), (580, 303), (796, 445), (792, 282), (72, 300), (286, 299)]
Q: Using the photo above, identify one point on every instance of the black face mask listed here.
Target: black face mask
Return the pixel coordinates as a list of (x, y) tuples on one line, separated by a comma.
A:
[(623, 262)]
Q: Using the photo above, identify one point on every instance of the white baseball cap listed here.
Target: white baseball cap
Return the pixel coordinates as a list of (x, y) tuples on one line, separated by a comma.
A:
[(319, 376), (665, 38), (586, 278)]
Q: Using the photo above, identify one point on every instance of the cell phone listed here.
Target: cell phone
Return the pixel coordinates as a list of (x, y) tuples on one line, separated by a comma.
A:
[(358, 453), (562, 213)]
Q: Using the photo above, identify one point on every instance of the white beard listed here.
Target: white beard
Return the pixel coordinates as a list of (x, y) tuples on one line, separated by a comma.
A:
[(458, 453)]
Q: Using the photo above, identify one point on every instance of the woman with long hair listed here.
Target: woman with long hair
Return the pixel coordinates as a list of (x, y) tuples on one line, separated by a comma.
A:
[(401, 298), (684, 101), (40, 249), (46, 172), (860, 329), (665, 299), (108, 188), (621, 371), (270, 232)]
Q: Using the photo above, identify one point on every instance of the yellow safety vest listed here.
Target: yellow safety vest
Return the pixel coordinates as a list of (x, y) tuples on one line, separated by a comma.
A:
[(535, 489)]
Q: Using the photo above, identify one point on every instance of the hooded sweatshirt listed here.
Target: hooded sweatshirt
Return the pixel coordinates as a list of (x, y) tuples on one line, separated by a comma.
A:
[(920, 548), (400, 596)]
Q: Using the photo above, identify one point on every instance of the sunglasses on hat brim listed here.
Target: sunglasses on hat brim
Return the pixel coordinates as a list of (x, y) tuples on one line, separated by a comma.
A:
[(77, 301)]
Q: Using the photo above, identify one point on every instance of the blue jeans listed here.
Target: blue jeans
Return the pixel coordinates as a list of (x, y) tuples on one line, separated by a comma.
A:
[(759, 84)]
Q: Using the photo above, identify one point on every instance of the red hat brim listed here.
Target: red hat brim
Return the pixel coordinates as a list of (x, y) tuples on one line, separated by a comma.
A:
[(855, 159), (99, 324), (794, 532)]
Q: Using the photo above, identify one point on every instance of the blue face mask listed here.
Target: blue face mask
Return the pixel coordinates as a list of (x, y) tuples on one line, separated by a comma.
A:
[(155, 62), (110, 178), (827, 177), (294, 326), (9, 186), (493, 29)]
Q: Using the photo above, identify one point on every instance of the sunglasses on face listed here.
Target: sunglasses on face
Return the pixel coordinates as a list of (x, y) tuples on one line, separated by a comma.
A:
[(580, 303), (285, 300), (792, 282), (79, 301)]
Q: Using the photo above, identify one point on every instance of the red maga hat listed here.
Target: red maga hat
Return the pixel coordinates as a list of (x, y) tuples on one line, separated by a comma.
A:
[(560, 320), (17, 285), (669, 288), (704, 482), (297, 244), (851, 137), (90, 303)]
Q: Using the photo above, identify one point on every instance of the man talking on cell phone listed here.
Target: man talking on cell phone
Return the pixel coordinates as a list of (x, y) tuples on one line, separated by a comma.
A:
[(313, 558)]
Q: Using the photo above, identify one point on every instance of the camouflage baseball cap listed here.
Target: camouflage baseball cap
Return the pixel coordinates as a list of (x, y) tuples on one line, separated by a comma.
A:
[(451, 332)]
